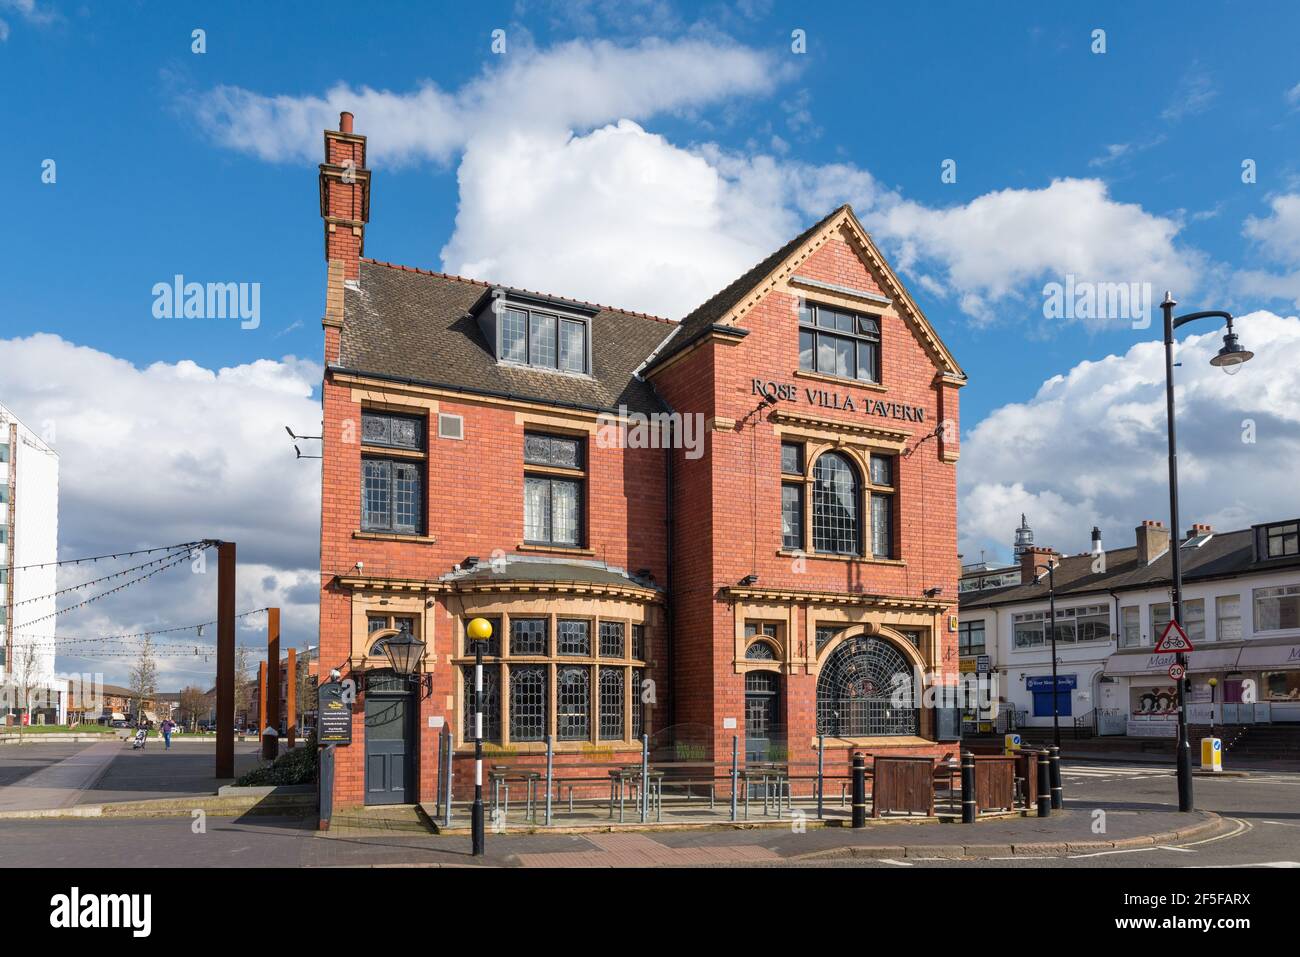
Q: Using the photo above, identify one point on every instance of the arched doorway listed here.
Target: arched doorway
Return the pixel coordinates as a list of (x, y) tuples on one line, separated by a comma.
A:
[(866, 689), (390, 752)]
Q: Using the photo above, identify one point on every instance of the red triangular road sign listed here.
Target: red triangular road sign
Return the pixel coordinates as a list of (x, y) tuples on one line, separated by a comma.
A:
[(1174, 639)]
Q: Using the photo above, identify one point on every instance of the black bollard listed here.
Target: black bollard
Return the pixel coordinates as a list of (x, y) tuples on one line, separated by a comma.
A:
[(1044, 786), (859, 791), (1058, 792), (969, 809)]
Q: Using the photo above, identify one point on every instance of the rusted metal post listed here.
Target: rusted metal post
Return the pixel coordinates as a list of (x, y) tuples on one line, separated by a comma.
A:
[(271, 716), (262, 726), (225, 766), (291, 696)]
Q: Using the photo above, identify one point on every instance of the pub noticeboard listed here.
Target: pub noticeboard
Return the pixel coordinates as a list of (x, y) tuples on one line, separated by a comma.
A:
[(334, 721)]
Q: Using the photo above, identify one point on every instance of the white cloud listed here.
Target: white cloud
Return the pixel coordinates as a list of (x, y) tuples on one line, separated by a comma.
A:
[(1277, 237), (175, 452), (1090, 447), (1194, 95), (998, 244)]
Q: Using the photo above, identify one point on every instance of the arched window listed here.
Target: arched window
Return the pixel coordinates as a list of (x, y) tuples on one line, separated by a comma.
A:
[(865, 689), (836, 494), (760, 651)]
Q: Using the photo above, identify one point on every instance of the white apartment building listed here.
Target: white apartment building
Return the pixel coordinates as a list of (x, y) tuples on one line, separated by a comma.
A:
[(29, 535), (1241, 609)]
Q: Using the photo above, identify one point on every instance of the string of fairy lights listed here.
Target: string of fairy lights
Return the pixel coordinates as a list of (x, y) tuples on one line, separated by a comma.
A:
[(126, 644)]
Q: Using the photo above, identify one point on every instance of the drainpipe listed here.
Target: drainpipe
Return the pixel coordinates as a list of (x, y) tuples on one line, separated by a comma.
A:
[(669, 535)]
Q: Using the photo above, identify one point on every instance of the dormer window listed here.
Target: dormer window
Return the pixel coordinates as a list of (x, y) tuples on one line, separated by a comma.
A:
[(544, 340), (1279, 540), (839, 343)]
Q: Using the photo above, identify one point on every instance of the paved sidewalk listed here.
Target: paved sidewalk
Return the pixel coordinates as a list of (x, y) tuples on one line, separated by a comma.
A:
[(61, 785)]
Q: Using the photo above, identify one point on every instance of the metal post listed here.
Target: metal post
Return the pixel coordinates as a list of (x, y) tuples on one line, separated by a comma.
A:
[(1184, 756), (821, 778), (272, 715), (1044, 787), (326, 788), (1058, 792), (735, 755), (1051, 614), (225, 764), (476, 823), (859, 790), (969, 806), (550, 774), (449, 762), (645, 777), (261, 711), (291, 696)]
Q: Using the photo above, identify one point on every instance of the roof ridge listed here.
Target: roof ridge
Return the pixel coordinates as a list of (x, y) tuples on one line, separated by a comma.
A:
[(535, 292)]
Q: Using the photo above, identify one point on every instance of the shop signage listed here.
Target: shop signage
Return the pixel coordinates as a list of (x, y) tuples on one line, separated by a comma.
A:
[(1044, 683), (334, 715), (828, 399), (983, 664), (1174, 639)]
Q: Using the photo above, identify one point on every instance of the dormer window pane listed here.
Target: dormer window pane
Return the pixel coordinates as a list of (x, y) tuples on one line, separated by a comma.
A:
[(573, 346), (514, 347), (541, 333)]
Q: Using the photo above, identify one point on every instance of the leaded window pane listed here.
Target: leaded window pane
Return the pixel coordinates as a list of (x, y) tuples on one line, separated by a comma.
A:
[(882, 525), (835, 506), (573, 637), (882, 470), (573, 704), (824, 634), (528, 702), (611, 704), (638, 642), (611, 639), (376, 493), (792, 458), (552, 450), (528, 636), (792, 516), (760, 651), (514, 346), (398, 431), (564, 512), (537, 509), (866, 689), (541, 340), (573, 346), (406, 497), (638, 704), (491, 704)]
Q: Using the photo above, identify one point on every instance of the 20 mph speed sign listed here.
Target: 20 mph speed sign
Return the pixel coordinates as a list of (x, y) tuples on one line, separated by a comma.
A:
[(1176, 671)]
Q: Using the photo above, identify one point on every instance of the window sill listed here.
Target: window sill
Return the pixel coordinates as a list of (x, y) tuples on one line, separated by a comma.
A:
[(840, 380), (562, 549), (395, 537), (788, 553)]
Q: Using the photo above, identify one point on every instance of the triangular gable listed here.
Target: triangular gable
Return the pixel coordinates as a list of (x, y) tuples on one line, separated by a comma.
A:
[(783, 267)]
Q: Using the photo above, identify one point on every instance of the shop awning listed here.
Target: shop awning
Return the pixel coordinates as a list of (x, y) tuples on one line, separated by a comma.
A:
[(150, 716), (1145, 663), (1213, 659), (1270, 656), (118, 716)]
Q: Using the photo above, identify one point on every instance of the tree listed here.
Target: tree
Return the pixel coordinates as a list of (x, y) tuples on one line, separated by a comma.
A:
[(192, 704), (306, 688), (30, 680), (144, 677), (243, 692)]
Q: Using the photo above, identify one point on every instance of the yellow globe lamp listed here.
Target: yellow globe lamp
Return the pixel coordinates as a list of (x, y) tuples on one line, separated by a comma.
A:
[(479, 629)]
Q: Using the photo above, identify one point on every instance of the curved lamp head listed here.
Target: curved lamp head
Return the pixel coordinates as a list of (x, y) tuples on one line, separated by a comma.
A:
[(1231, 357)]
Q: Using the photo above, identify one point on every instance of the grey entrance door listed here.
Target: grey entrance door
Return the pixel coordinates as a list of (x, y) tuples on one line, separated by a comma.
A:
[(388, 749), (760, 716)]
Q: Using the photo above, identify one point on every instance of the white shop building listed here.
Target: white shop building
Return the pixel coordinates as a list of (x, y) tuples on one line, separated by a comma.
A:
[(1241, 609)]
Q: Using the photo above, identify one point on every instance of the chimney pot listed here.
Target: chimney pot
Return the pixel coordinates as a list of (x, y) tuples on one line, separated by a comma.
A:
[(1152, 541), (345, 122)]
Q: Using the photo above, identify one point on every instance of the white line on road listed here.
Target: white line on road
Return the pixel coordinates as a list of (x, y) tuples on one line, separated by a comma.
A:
[(890, 860)]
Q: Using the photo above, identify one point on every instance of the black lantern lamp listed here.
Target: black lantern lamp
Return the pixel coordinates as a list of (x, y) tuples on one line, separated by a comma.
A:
[(405, 652)]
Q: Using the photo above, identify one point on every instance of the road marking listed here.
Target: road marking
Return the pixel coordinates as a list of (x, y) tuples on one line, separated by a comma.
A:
[(890, 860), (1281, 823)]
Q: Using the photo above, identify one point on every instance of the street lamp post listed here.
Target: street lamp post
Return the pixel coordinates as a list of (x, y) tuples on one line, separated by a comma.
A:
[(1228, 358)]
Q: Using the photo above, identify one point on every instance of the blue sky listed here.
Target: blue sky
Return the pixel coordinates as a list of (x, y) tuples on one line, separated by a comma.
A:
[(670, 130)]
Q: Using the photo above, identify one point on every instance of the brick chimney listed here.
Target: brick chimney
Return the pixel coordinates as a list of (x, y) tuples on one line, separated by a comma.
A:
[(1152, 541), (345, 208), (1031, 557), (1199, 528)]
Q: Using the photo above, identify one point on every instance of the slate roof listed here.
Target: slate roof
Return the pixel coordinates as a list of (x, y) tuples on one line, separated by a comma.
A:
[(411, 325), (1225, 555), (701, 319)]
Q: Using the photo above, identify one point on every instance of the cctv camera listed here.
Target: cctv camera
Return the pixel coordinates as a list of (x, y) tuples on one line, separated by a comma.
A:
[(360, 565), (335, 674)]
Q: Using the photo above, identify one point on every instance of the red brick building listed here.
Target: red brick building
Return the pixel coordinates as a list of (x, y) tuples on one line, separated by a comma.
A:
[(494, 452)]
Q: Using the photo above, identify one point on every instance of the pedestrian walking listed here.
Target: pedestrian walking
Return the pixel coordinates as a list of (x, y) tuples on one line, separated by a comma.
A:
[(167, 727)]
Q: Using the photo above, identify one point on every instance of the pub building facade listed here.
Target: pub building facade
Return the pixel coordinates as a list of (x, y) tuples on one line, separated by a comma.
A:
[(768, 567)]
